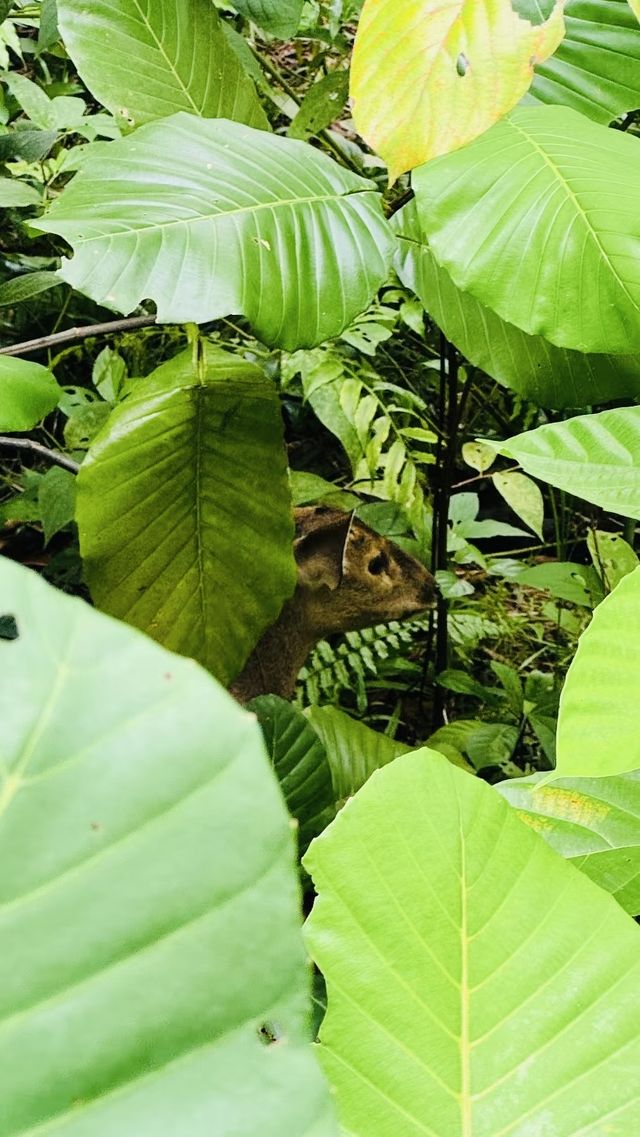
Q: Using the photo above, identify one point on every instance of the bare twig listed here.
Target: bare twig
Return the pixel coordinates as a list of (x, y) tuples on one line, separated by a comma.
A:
[(52, 456), (78, 334)]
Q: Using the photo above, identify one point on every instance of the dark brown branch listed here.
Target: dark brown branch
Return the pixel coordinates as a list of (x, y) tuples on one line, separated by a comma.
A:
[(78, 334), (52, 456)]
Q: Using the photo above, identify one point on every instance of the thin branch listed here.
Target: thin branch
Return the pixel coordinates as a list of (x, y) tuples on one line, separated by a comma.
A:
[(52, 456), (78, 334)]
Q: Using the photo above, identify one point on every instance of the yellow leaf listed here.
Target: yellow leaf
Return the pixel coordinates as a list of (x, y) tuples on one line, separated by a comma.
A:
[(635, 7), (430, 75)]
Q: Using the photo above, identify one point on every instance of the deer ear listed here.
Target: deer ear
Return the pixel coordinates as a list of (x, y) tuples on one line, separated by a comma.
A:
[(319, 553)]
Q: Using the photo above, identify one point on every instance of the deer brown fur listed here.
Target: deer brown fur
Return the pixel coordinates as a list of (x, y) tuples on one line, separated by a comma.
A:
[(348, 577)]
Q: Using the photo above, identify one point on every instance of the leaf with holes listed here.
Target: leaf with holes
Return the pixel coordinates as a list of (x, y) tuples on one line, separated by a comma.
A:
[(523, 220), (595, 457), (322, 104), (279, 17), (593, 822), (428, 77), (469, 990), (149, 909), (28, 392), (209, 218), (172, 541), (599, 721), (182, 59), (547, 375), (596, 69)]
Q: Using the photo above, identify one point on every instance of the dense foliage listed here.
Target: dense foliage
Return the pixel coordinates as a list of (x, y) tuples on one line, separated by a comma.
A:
[(382, 257)]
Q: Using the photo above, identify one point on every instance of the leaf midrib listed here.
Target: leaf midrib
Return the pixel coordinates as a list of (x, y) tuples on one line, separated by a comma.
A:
[(171, 67), (570, 194), (288, 203)]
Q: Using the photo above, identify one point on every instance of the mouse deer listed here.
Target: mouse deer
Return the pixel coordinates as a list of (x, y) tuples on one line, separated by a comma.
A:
[(349, 577)]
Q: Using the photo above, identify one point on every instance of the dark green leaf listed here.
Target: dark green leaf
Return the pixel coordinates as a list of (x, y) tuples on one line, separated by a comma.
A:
[(31, 145), (492, 744), (56, 501), (24, 287), (83, 424), (596, 69), (322, 104), (354, 751), (279, 17), (184, 509), (300, 762)]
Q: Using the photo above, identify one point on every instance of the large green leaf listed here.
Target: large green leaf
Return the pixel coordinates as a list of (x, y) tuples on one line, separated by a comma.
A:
[(28, 392), (300, 762), (477, 983), (146, 61), (548, 375), (596, 69), (595, 457), (427, 77), (209, 218), (599, 722), (354, 750), (594, 822), (523, 219), (148, 904), (184, 510), (280, 17)]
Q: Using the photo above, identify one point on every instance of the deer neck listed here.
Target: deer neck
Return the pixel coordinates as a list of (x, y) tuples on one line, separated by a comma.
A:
[(273, 666)]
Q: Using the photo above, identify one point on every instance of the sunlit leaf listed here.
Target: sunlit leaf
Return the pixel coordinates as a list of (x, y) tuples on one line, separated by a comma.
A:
[(497, 215), (428, 77), (523, 496), (147, 61), (17, 194), (599, 722), (28, 392), (209, 218), (613, 558), (595, 457), (468, 988), (548, 375), (149, 933), (594, 822)]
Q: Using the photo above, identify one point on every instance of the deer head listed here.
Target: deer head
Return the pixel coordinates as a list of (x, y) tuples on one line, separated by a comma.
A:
[(348, 577)]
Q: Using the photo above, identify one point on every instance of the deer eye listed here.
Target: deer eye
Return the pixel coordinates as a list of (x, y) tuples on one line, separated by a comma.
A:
[(378, 564)]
